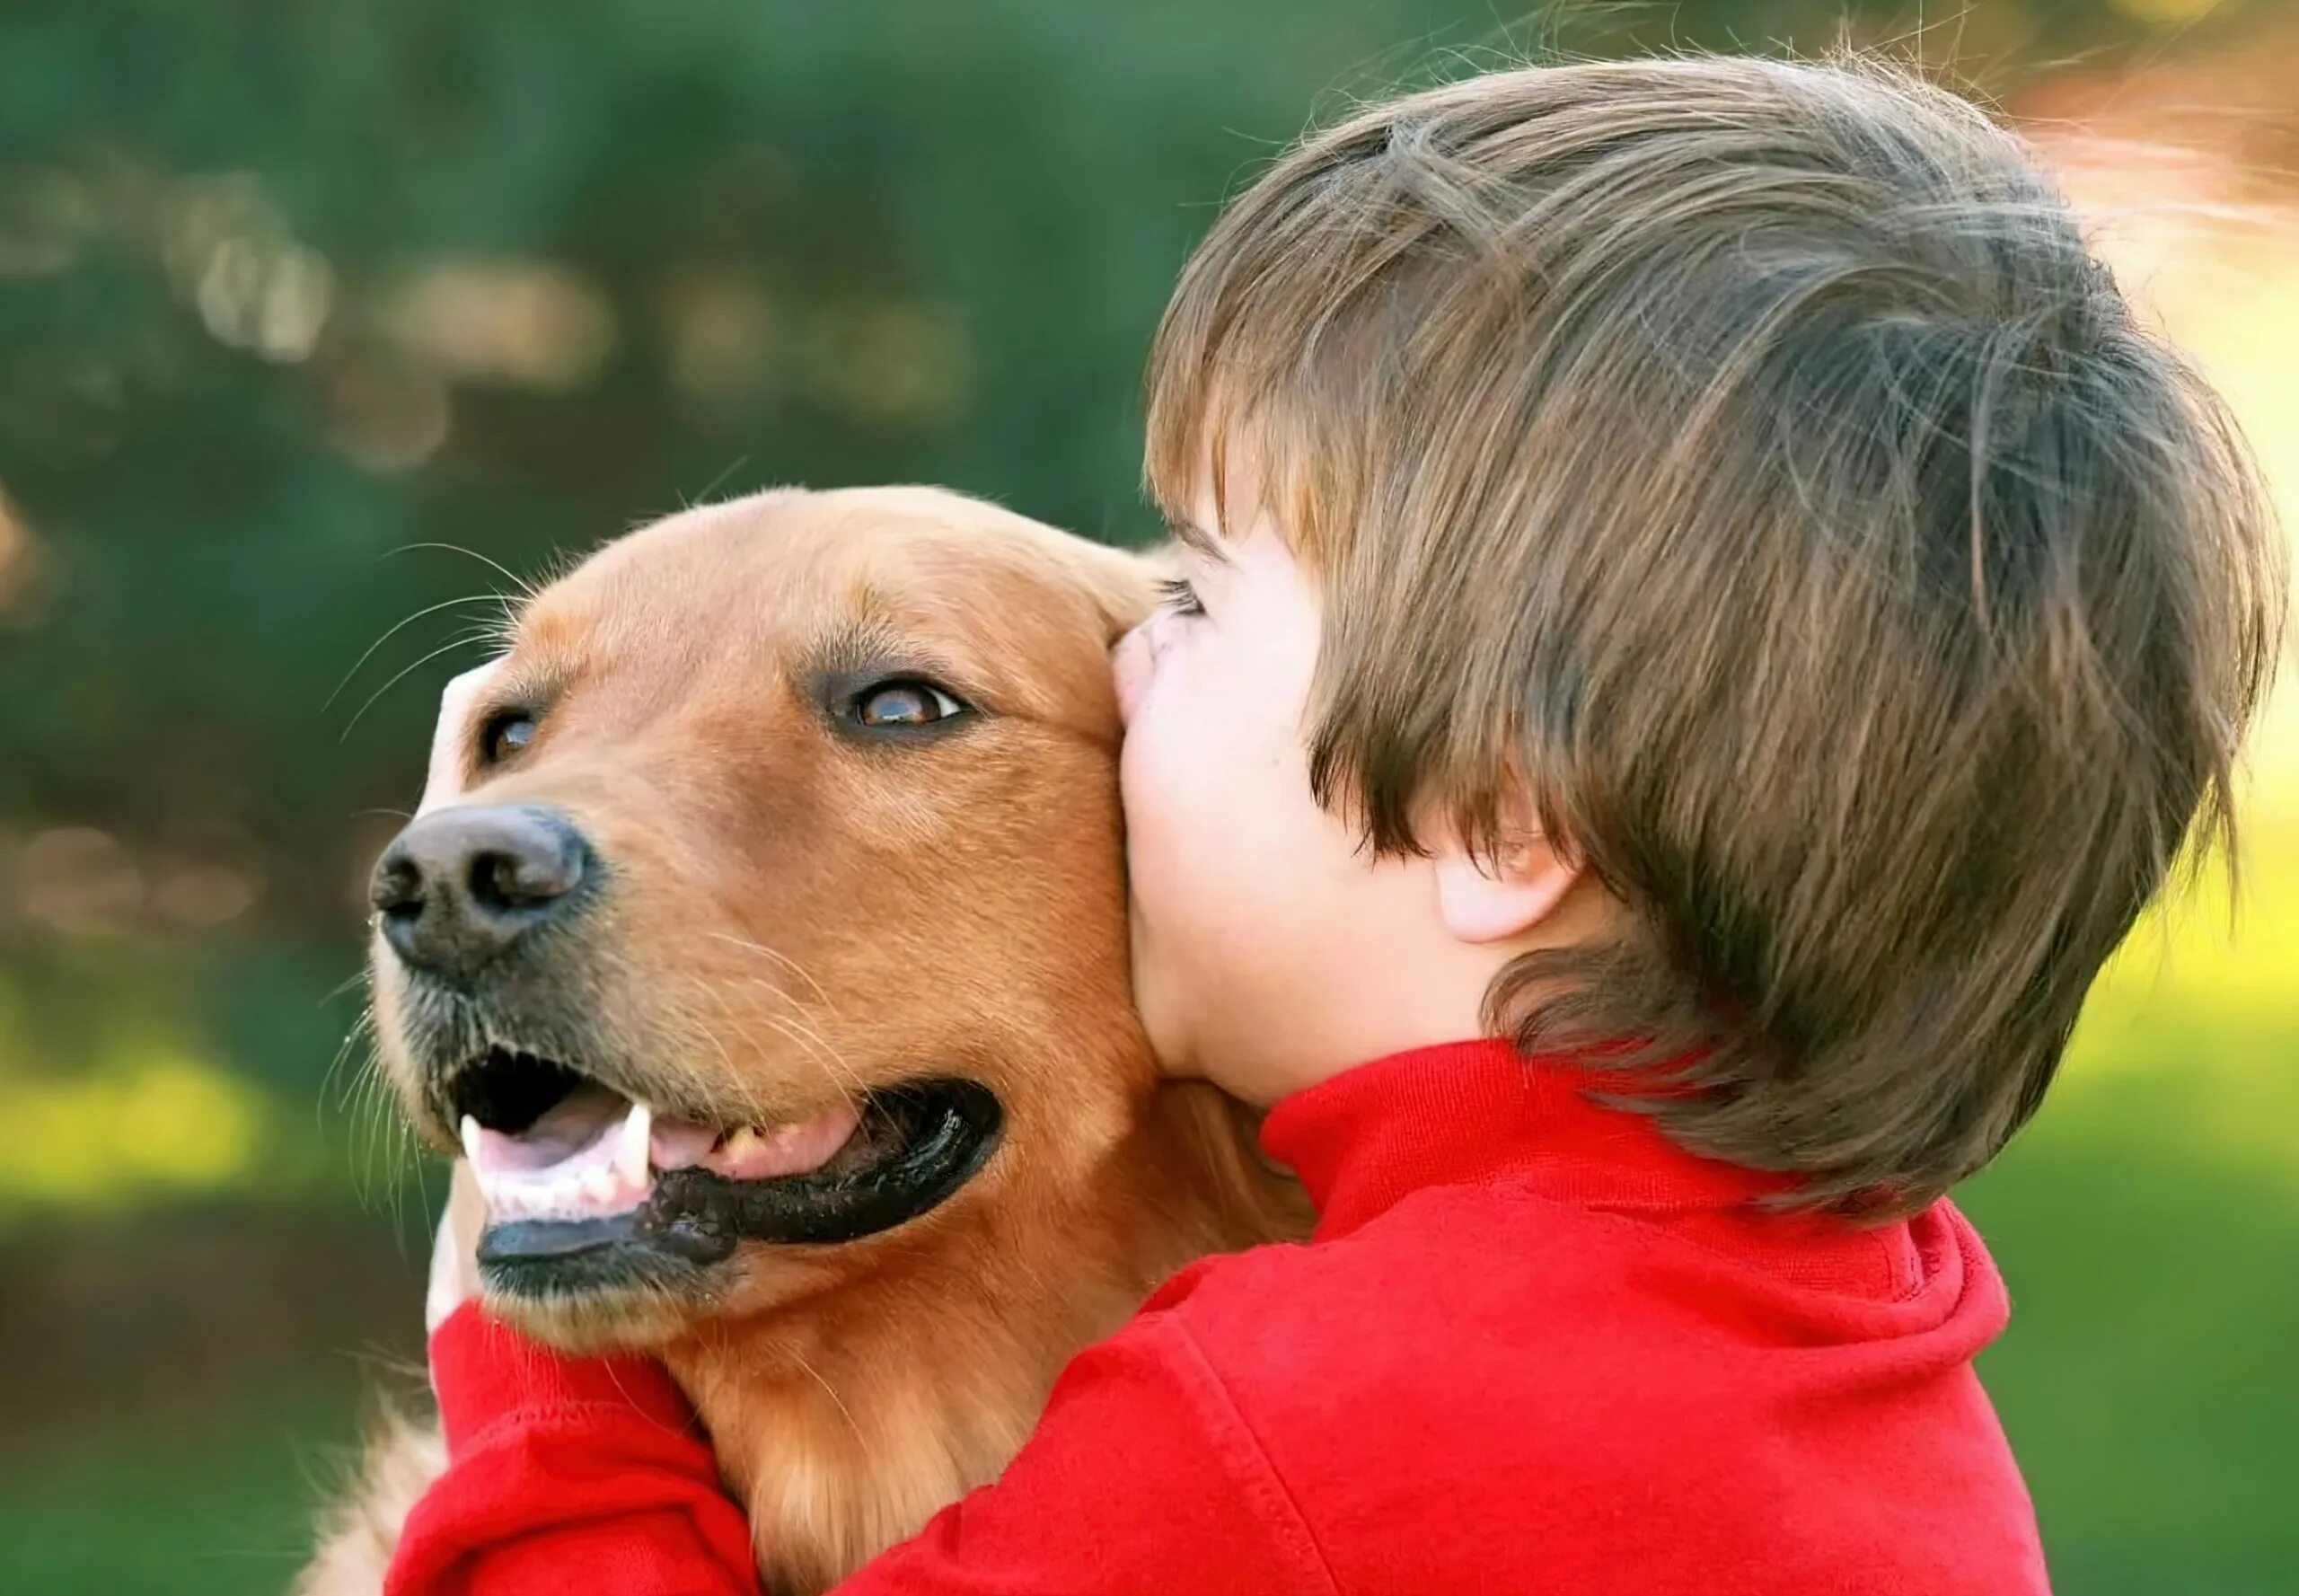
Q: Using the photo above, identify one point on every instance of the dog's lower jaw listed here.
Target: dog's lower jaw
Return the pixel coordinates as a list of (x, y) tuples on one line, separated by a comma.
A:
[(834, 1457), (844, 1425), (635, 1323)]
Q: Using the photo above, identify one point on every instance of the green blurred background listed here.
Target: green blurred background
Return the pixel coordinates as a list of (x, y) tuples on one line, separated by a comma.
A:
[(311, 313)]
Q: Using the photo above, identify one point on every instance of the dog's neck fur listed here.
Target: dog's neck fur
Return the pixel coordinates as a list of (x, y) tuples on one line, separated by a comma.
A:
[(843, 1424)]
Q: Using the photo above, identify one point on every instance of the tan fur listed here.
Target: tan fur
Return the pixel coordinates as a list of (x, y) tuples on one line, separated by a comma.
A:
[(794, 916), (358, 1533)]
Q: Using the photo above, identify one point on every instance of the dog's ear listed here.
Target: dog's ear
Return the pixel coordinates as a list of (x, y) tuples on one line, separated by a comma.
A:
[(451, 738), (1124, 583)]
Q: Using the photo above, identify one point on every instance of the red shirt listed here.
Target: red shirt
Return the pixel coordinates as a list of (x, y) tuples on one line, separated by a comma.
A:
[(1532, 1347)]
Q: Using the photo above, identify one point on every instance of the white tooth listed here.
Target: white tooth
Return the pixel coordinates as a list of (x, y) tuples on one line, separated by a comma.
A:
[(740, 1143), (471, 1139), (631, 1158)]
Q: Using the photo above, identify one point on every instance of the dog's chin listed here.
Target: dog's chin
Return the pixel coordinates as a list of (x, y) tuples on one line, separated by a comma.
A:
[(627, 1319)]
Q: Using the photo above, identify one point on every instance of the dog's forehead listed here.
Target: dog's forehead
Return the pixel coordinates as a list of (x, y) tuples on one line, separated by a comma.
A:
[(786, 573)]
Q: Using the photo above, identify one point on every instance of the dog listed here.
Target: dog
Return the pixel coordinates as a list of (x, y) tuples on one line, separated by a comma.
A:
[(766, 961)]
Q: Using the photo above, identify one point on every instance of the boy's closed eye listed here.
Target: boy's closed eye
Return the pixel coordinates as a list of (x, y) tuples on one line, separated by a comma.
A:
[(1178, 595)]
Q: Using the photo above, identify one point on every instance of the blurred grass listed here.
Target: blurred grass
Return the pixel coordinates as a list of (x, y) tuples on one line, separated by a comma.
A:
[(2148, 1224), (218, 1508)]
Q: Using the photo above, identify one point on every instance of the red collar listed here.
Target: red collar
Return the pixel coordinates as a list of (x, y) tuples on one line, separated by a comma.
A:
[(1479, 1114), (1475, 1112)]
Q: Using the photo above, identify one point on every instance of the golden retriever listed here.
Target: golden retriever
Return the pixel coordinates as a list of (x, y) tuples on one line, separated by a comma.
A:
[(769, 967)]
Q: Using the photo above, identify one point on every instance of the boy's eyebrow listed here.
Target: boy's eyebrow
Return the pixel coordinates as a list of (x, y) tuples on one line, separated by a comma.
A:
[(1190, 535)]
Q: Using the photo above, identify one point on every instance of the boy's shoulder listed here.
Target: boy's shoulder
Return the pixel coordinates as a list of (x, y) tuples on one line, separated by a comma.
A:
[(1490, 1363), (1504, 1289)]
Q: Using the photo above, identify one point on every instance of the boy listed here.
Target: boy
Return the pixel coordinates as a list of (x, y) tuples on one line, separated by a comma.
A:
[(1706, 620)]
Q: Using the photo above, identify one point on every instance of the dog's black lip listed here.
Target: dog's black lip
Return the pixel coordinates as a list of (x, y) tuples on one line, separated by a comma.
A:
[(694, 1219)]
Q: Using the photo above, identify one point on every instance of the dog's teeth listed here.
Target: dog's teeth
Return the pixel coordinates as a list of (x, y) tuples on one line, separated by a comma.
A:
[(471, 1139), (741, 1142), (630, 1157)]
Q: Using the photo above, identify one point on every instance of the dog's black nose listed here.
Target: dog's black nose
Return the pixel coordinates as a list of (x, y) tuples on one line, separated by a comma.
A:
[(461, 885)]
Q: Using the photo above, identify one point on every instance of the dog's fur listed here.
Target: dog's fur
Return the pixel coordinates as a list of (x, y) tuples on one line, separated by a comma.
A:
[(794, 915)]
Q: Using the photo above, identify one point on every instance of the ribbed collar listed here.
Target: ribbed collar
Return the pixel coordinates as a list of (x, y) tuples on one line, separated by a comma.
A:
[(1479, 1113), (1472, 1112)]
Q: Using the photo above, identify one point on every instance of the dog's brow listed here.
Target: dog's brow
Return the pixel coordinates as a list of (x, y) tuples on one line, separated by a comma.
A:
[(873, 648)]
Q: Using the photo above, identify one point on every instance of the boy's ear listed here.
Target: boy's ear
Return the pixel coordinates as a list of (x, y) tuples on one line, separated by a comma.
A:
[(1503, 896)]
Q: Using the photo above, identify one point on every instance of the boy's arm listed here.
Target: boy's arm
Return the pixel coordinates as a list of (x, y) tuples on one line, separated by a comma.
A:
[(587, 1474), (566, 1474), (1140, 1477)]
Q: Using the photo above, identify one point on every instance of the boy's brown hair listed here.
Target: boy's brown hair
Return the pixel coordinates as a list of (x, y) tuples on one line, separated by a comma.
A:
[(1750, 463)]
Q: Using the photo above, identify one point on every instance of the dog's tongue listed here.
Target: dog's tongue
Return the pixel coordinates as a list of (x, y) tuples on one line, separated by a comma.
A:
[(593, 1155), (751, 1154), (572, 1134), (585, 1158), (681, 1143), (796, 1148)]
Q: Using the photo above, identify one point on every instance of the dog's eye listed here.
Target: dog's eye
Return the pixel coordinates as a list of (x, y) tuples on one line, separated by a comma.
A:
[(906, 702), (504, 735)]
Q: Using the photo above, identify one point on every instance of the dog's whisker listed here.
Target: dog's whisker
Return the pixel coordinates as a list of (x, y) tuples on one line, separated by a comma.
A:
[(818, 1047), (361, 1031), (784, 959), (715, 483), (383, 1145), (761, 1111), (843, 1080), (695, 1023), (842, 1075), (380, 1130), (796, 1023), (505, 572), (360, 1132), (358, 978), (829, 1390), (335, 1065), (449, 647), (357, 665)]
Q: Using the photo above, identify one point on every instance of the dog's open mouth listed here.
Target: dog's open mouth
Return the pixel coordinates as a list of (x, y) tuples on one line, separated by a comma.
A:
[(572, 1169)]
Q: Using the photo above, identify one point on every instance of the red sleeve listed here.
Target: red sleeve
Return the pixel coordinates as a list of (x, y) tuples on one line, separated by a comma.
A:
[(566, 1473), (1141, 1476)]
